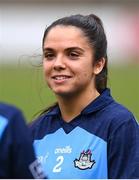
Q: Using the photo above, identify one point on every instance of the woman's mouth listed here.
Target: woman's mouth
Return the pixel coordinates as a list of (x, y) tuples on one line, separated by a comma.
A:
[(61, 77)]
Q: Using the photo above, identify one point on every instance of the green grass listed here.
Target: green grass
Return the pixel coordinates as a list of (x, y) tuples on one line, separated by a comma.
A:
[(124, 84), (24, 87)]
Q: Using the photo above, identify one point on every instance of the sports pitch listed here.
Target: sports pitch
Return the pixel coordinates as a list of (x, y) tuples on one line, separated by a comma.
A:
[(25, 87)]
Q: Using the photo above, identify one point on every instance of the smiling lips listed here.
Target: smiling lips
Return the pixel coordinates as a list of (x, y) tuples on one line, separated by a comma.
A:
[(61, 78)]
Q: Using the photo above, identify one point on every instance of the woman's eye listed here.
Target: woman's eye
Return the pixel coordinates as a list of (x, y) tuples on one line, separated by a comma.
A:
[(49, 56), (74, 55)]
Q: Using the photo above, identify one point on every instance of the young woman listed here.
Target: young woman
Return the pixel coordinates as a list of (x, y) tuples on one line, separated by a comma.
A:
[(17, 157), (86, 134)]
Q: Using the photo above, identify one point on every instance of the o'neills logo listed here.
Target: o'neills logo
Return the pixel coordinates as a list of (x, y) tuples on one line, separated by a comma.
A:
[(84, 161), (63, 150)]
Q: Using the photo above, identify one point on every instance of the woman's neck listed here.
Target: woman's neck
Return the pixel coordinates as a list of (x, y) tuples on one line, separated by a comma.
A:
[(71, 107)]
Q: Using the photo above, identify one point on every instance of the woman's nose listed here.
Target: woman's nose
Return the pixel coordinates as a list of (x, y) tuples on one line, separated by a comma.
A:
[(59, 63)]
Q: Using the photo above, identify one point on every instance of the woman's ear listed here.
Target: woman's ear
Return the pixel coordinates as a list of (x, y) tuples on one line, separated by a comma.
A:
[(98, 66)]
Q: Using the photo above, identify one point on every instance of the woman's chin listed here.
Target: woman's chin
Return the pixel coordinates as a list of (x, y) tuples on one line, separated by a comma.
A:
[(63, 93)]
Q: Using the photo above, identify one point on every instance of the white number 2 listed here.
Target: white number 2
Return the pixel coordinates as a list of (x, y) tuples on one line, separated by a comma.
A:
[(57, 167)]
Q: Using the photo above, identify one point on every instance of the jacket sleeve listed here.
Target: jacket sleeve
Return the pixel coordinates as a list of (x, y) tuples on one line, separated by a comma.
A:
[(123, 151), (17, 157), (22, 148)]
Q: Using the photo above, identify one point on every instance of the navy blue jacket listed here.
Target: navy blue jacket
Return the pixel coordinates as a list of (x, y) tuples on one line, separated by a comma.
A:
[(17, 157), (101, 142)]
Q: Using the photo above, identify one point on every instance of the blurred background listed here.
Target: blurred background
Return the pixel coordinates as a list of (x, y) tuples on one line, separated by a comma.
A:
[(22, 24)]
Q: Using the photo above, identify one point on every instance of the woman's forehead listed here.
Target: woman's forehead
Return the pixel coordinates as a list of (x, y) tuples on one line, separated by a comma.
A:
[(62, 30), (69, 35)]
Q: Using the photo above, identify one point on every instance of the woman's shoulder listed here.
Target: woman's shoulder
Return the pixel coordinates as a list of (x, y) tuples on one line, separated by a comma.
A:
[(45, 123), (119, 115), (120, 111), (45, 115), (36, 127), (38, 121)]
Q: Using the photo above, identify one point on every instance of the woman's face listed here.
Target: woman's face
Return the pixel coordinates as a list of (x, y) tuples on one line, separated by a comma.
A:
[(68, 61)]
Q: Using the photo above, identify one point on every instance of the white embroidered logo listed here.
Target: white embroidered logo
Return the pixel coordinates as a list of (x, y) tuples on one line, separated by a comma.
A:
[(84, 161)]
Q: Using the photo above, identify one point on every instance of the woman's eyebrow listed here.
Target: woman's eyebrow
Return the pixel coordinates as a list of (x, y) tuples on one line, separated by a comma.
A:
[(66, 49), (74, 48), (47, 49)]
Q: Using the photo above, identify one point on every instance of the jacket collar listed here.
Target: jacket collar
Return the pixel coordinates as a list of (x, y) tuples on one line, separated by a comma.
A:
[(99, 103)]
